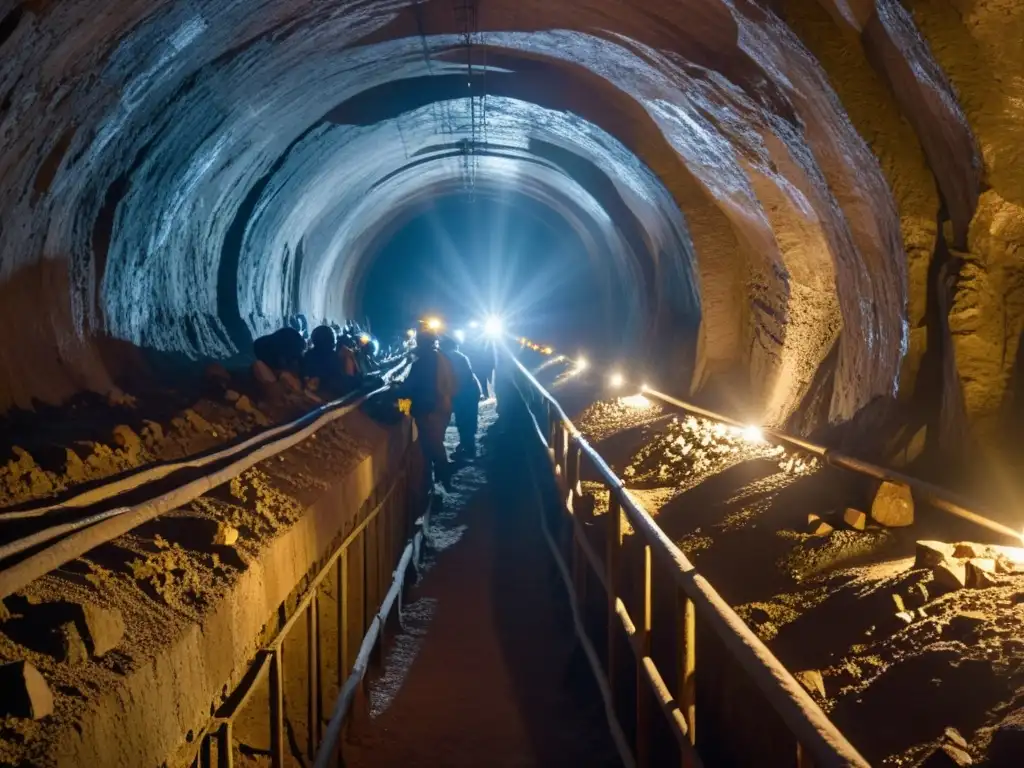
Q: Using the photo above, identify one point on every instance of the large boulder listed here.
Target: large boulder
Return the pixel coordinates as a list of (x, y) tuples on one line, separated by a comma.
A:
[(24, 692), (104, 628), (893, 506), (931, 553), (855, 519)]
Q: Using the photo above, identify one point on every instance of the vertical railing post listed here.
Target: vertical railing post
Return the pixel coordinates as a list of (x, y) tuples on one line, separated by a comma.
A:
[(686, 636), (342, 609), (225, 746), (205, 751), (312, 679), (803, 760), (611, 561), (572, 469), (643, 650), (277, 707)]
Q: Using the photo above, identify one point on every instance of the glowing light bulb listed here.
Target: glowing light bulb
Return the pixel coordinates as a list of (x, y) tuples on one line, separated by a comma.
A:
[(635, 401), (616, 380), (582, 364), (411, 333), (494, 326), (753, 434), (433, 323)]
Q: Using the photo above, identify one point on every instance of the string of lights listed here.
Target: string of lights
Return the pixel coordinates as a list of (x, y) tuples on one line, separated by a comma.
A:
[(492, 327)]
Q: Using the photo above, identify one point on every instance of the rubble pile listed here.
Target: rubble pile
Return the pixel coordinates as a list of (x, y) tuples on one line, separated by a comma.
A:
[(607, 417), (107, 437), (690, 448)]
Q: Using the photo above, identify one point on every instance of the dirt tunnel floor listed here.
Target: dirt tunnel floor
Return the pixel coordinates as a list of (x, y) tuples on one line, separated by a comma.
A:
[(486, 670)]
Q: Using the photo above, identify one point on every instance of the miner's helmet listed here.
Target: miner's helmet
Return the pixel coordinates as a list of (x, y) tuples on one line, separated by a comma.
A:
[(323, 336)]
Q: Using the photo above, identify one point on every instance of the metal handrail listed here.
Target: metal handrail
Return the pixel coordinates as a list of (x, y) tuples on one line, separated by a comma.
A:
[(937, 497), (816, 736), (376, 530)]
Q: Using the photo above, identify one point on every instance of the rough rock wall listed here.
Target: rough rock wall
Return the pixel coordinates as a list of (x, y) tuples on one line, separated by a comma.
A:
[(172, 175), (937, 90), (978, 45)]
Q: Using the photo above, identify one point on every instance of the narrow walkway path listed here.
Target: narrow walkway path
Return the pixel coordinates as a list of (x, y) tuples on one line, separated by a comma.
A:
[(486, 671)]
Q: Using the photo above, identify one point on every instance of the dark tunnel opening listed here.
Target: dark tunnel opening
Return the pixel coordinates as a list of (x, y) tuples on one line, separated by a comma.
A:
[(468, 256)]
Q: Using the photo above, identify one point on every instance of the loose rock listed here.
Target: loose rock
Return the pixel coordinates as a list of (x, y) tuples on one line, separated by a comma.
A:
[(931, 553), (72, 647), (244, 404), (950, 575), (24, 692), (855, 519), (262, 373), (291, 381), (947, 756), (152, 433), (812, 680), (126, 439), (969, 549), (979, 573), (116, 397), (74, 467), (226, 536), (952, 735), (104, 627), (964, 624), (893, 506)]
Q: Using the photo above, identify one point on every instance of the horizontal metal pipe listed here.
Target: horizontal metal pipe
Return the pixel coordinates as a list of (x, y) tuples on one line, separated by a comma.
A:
[(156, 472), (77, 544)]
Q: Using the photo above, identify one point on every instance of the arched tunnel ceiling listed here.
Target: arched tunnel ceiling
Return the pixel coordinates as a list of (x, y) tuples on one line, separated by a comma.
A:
[(178, 174)]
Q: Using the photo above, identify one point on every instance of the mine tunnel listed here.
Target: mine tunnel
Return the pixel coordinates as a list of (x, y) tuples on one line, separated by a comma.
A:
[(742, 284)]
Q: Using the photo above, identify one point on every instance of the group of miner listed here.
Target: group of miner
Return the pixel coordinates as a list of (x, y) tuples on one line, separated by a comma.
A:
[(441, 382), (335, 358)]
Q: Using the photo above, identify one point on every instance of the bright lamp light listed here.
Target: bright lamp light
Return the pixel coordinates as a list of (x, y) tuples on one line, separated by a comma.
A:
[(493, 326), (582, 364), (616, 380), (433, 323), (753, 434), (460, 336)]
